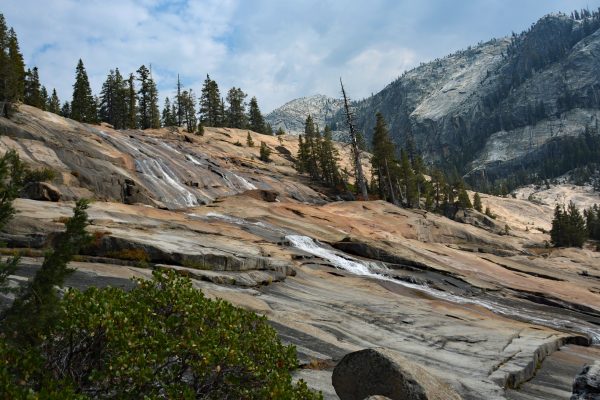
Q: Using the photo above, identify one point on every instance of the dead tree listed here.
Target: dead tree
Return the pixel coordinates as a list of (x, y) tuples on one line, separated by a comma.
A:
[(360, 177)]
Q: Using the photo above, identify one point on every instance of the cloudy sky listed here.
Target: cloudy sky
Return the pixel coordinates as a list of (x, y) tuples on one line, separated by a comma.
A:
[(276, 50)]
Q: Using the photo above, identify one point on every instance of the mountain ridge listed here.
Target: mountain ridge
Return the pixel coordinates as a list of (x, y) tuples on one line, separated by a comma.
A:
[(491, 108)]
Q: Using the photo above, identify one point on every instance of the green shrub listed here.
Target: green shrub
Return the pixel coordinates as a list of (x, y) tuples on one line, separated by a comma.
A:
[(265, 152), (162, 339), (39, 175)]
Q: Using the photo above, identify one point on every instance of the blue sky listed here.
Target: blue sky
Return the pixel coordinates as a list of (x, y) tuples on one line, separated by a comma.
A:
[(276, 50)]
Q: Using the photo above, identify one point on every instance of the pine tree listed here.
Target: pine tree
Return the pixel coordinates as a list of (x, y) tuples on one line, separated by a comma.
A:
[(12, 74), (255, 118), (33, 89), (120, 101), (249, 140), (131, 103), (329, 158), (268, 129), (65, 110), (211, 108), (36, 304), (236, 111), (568, 227), (383, 161), (311, 153), (178, 104), (44, 98), (265, 152), (106, 111), (408, 177), (54, 103), (147, 100), (302, 156), (477, 202), (188, 105), (83, 106), (168, 119)]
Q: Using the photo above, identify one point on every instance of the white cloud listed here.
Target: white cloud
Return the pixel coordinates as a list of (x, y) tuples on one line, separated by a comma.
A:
[(275, 50)]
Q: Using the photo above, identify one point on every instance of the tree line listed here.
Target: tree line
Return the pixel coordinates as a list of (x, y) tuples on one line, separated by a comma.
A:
[(398, 175), (127, 101), (571, 227)]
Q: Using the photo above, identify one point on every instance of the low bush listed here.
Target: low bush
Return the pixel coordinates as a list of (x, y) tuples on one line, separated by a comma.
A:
[(162, 339)]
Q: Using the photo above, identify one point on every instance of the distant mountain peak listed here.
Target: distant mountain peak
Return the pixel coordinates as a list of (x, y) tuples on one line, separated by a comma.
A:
[(292, 115)]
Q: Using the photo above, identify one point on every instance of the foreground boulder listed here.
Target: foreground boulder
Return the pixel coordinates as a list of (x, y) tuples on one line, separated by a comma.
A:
[(586, 385), (386, 373)]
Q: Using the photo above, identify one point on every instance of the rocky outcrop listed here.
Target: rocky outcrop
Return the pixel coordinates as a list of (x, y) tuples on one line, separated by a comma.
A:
[(384, 372), (291, 116), (587, 383), (41, 191)]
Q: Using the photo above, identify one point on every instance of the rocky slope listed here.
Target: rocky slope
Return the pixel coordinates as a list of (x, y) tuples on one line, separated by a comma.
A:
[(500, 105), (477, 308), (291, 116)]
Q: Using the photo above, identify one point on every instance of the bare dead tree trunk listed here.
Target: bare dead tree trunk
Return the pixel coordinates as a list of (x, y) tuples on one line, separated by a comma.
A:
[(360, 177)]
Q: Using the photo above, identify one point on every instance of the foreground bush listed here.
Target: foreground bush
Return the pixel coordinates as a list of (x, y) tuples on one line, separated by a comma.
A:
[(163, 339)]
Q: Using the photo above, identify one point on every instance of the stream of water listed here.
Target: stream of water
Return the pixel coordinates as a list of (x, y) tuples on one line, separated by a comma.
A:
[(377, 271)]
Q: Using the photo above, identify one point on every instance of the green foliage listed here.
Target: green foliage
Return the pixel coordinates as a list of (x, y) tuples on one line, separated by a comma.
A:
[(39, 175), (249, 140), (211, 107), (35, 307), (33, 95), (147, 100), (200, 130), (592, 222), (235, 116), (477, 202), (265, 152), (489, 213), (463, 199), (317, 154), (114, 104), (11, 182), (12, 172), (256, 122), (162, 339), (383, 162), (54, 103), (12, 66), (83, 105), (568, 227)]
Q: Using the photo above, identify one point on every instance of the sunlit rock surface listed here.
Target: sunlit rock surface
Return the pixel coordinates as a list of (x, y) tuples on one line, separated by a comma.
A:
[(478, 308)]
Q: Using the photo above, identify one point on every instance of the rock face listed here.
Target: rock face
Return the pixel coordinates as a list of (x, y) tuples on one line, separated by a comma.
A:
[(476, 309), (587, 383), (492, 108), (291, 116), (383, 372), (162, 168)]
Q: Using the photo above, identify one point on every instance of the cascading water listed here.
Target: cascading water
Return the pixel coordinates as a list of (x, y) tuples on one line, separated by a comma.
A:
[(359, 267)]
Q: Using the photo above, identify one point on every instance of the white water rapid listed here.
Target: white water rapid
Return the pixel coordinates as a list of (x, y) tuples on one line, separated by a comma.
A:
[(373, 270)]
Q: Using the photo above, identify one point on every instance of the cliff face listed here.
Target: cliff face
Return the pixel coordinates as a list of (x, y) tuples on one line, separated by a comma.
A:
[(500, 103)]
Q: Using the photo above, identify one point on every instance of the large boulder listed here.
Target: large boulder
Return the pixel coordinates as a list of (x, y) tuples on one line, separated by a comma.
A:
[(386, 373), (586, 385)]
